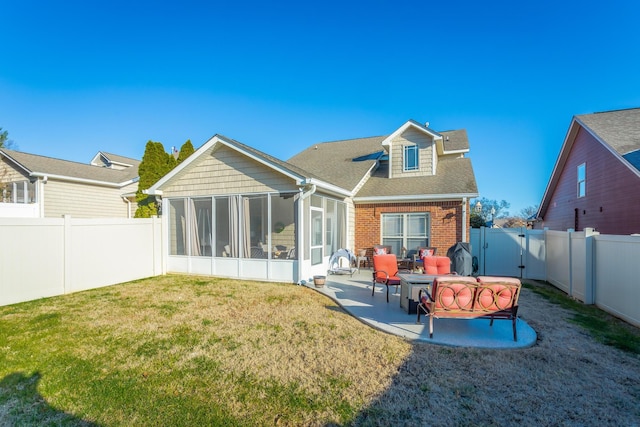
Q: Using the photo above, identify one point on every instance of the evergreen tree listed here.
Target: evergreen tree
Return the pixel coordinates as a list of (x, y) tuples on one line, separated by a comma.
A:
[(185, 151), (4, 136), (156, 163)]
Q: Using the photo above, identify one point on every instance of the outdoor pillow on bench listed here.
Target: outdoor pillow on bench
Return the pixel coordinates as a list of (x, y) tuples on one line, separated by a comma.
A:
[(466, 297)]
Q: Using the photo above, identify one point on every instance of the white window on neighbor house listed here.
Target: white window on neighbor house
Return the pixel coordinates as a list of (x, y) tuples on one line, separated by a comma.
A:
[(18, 192), (410, 158), (408, 230), (582, 180)]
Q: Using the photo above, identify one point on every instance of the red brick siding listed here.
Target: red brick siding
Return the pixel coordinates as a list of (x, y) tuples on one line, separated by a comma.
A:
[(446, 218), (612, 201)]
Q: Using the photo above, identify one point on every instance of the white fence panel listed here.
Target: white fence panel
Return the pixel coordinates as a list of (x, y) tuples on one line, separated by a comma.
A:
[(108, 251), (44, 257), (558, 259), (595, 269), (616, 276), (577, 265), (503, 251), (535, 255), (31, 259)]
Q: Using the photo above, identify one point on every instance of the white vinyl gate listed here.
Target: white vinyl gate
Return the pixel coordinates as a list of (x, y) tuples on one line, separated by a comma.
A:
[(515, 252)]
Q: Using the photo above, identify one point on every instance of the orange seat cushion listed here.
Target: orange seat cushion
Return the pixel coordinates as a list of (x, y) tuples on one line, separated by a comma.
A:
[(436, 265)]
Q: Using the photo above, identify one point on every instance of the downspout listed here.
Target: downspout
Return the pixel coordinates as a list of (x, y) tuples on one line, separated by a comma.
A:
[(300, 251), (128, 202), (306, 194), (464, 219), (40, 196)]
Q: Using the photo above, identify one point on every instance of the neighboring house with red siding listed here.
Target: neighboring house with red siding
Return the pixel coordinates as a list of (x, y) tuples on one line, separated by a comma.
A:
[(596, 180)]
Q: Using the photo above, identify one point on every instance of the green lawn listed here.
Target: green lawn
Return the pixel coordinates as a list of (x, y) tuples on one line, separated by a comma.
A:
[(184, 350), (178, 350)]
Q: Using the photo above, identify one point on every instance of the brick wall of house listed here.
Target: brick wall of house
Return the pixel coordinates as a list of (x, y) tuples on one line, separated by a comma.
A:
[(445, 216)]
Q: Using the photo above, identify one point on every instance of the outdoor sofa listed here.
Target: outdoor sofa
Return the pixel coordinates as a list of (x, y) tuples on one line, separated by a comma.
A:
[(464, 297)]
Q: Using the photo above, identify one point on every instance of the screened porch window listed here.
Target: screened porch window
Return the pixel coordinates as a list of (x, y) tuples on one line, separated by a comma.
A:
[(408, 230), (255, 226)]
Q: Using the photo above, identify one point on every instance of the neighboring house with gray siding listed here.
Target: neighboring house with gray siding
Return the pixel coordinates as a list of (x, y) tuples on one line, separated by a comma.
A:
[(234, 211), (41, 187)]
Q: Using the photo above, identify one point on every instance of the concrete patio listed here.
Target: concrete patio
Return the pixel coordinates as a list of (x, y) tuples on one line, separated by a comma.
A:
[(353, 293)]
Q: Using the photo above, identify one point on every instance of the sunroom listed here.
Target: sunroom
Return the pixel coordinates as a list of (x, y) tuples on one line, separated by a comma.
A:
[(231, 211)]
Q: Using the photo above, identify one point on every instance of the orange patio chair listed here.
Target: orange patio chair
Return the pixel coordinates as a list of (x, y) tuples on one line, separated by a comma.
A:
[(385, 272), (435, 265)]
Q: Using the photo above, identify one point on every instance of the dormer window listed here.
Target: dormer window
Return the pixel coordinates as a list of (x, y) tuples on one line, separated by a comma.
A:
[(410, 158)]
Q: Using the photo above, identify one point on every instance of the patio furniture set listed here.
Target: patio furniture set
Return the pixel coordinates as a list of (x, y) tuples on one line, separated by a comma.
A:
[(434, 292)]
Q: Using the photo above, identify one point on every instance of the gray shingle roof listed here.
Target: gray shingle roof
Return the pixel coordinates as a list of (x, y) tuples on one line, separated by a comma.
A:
[(48, 165), (121, 159), (620, 129), (333, 161), (457, 140), (295, 169), (454, 176)]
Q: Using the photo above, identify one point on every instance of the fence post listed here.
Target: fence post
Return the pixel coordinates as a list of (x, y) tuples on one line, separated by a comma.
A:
[(67, 254), (590, 262), (482, 252), (570, 258)]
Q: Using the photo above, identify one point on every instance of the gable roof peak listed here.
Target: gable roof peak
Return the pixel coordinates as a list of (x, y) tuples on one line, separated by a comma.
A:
[(412, 124)]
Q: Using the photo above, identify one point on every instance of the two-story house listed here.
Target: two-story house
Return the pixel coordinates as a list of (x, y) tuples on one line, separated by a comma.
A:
[(234, 211), (596, 179)]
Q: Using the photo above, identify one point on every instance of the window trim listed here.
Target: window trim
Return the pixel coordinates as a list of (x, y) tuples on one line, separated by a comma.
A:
[(410, 151), (405, 237), (581, 183)]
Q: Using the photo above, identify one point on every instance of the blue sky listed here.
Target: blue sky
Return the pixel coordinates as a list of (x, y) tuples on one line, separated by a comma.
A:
[(82, 76)]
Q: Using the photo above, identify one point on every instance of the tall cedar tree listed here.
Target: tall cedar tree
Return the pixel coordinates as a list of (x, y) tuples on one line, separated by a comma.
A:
[(156, 162), (185, 151), (4, 136)]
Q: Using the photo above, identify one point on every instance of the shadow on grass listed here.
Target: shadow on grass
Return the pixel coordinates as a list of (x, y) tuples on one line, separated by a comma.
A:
[(22, 404)]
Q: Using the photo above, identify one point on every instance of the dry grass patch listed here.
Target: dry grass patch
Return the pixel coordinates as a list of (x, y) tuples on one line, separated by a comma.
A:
[(179, 350)]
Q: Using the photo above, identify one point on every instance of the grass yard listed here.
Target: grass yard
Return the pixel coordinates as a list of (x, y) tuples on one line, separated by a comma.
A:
[(181, 350), (601, 325), (192, 351)]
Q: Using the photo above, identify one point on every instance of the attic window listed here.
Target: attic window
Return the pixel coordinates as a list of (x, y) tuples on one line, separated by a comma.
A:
[(410, 158)]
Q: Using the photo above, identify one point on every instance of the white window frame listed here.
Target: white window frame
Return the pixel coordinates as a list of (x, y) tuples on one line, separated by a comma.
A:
[(316, 229), (582, 180), (405, 237), (408, 152)]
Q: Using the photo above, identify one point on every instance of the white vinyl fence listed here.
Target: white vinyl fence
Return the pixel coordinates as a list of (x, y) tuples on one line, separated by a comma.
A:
[(44, 257), (596, 269)]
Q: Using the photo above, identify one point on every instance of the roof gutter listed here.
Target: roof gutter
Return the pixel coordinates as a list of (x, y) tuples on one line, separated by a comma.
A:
[(83, 180), (414, 198), (334, 189), (151, 192)]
